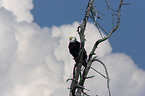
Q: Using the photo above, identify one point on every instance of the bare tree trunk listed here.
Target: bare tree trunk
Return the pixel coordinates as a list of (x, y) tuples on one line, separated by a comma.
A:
[(79, 77), (77, 69)]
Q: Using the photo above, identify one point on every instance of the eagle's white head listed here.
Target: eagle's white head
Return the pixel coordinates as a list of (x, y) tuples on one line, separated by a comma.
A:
[(72, 39)]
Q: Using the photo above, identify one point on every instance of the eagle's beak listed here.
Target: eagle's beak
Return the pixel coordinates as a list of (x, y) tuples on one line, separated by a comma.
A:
[(70, 38)]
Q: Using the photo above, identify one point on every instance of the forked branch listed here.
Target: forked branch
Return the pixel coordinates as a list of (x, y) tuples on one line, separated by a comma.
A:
[(79, 76), (110, 33)]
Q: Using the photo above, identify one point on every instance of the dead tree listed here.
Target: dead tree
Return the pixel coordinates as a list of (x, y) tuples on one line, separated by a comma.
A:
[(79, 76)]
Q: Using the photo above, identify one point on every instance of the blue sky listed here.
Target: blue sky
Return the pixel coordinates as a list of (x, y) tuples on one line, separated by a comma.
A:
[(129, 38)]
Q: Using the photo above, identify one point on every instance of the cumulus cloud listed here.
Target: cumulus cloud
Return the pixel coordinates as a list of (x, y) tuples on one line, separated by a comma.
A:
[(28, 66), (125, 75), (35, 61), (20, 8)]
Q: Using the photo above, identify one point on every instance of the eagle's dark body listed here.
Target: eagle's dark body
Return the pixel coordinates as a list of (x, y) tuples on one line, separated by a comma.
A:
[(74, 49)]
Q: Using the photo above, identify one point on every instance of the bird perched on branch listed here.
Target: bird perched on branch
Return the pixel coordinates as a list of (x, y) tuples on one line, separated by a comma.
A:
[(74, 49)]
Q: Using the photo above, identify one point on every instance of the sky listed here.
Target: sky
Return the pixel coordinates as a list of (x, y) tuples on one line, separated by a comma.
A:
[(129, 37), (34, 57)]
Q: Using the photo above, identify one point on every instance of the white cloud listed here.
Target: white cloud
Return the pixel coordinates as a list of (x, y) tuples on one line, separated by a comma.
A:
[(126, 78), (125, 75), (35, 61), (20, 8), (28, 66)]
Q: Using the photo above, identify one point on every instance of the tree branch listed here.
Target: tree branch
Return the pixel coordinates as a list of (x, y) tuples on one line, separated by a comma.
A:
[(86, 70), (110, 33), (77, 84), (108, 79)]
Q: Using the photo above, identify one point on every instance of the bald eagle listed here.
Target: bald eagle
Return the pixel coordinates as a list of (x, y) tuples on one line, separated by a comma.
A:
[(74, 49)]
